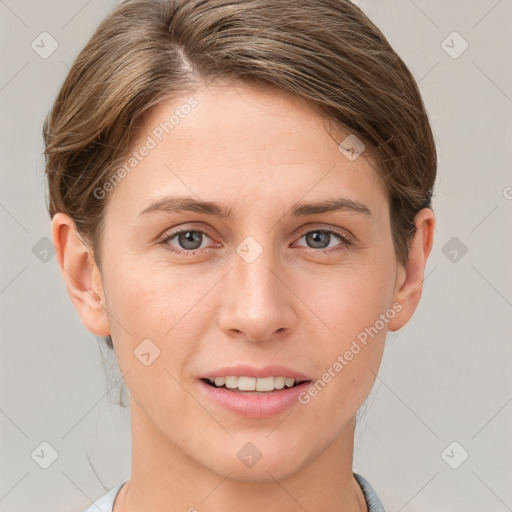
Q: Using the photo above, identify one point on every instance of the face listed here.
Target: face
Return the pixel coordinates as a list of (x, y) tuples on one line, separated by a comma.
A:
[(271, 281)]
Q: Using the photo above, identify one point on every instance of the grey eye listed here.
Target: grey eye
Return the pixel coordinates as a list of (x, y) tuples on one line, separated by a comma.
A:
[(189, 239), (319, 239)]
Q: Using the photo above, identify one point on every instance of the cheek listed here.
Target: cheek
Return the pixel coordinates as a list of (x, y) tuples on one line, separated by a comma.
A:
[(352, 298), (155, 329), (149, 301), (356, 305), (160, 311)]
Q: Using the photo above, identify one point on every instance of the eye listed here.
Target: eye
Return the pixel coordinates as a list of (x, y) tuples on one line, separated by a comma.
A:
[(188, 241), (322, 238)]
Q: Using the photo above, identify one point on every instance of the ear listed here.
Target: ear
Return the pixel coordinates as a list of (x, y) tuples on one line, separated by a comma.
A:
[(409, 283), (81, 275)]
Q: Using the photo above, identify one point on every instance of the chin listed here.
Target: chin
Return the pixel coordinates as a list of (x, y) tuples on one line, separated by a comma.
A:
[(254, 461)]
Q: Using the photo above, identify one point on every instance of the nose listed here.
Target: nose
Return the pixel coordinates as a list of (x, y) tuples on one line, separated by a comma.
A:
[(257, 301)]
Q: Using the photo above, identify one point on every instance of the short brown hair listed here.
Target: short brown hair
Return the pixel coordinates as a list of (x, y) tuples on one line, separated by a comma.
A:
[(326, 52)]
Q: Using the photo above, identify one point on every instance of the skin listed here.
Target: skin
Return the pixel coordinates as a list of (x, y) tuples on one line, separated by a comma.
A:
[(258, 151)]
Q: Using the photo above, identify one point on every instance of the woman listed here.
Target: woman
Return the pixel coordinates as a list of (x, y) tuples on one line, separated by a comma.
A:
[(240, 200)]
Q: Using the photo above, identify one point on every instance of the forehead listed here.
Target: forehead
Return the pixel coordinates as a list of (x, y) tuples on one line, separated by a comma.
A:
[(236, 143)]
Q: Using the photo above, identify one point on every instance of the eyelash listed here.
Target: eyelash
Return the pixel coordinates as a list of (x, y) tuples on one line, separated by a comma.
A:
[(346, 241)]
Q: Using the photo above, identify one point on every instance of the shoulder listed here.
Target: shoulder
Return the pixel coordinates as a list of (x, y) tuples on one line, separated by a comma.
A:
[(106, 502), (372, 500)]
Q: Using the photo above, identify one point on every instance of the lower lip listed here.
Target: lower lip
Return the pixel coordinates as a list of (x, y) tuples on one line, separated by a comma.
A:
[(263, 405)]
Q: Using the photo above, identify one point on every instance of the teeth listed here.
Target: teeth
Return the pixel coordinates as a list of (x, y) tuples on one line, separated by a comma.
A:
[(252, 383), (279, 382)]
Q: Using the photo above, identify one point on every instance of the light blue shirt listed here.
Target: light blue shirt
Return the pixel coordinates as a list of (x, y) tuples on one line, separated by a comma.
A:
[(372, 500), (105, 503)]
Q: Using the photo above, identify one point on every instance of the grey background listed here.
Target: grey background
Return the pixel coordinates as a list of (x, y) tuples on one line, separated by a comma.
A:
[(445, 376)]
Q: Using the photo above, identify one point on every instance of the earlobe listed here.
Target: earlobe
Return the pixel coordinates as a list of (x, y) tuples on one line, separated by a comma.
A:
[(409, 282), (81, 275)]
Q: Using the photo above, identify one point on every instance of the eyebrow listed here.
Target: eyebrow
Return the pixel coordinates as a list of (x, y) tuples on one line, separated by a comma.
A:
[(299, 209)]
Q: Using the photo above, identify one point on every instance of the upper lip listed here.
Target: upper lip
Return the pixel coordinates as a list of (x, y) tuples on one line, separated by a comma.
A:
[(246, 370)]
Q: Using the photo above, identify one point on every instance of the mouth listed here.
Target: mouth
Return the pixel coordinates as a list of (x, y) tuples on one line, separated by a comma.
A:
[(252, 403), (254, 392), (253, 386)]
